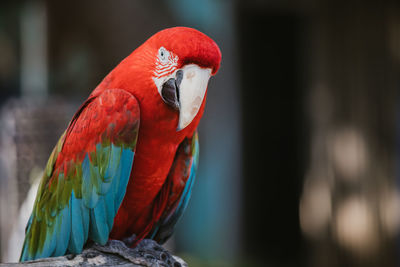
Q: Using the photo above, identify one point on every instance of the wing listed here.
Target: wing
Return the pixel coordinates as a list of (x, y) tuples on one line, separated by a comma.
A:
[(85, 178), (177, 189)]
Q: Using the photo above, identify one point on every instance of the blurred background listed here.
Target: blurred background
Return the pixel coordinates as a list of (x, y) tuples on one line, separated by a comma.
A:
[(300, 140)]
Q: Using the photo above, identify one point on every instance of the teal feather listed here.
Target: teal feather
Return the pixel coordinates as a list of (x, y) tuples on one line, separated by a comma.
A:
[(72, 207), (126, 161), (24, 253), (187, 192), (91, 216), (62, 231), (109, 206), (98, 226), (87, 186), (164, 228), (78, 228), (50, 244)]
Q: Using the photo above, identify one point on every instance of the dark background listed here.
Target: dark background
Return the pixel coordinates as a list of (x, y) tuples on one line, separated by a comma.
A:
[(298, 142)]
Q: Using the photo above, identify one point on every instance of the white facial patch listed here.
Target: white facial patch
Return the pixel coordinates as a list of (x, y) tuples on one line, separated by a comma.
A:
[(166, 65), (192, 88)]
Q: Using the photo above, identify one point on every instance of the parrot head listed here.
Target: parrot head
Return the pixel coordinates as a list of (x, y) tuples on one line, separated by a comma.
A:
[(185, 60), (168, 74)]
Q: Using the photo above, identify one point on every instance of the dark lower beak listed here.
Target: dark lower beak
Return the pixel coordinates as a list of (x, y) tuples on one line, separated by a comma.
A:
[(170, 90)]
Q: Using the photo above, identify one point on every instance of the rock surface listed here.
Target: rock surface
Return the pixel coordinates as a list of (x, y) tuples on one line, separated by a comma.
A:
[(114, 253)]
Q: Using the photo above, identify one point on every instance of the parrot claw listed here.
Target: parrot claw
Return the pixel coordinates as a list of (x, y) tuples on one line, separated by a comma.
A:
[(129, 240), (147, 253)]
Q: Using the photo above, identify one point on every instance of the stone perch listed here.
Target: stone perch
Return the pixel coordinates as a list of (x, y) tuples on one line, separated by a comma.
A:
[(114, 253)]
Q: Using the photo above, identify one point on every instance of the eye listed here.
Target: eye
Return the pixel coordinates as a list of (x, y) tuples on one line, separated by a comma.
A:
[(163, 55)]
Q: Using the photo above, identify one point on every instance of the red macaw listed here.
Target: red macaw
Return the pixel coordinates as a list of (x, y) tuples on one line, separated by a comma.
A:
[(127, 161)]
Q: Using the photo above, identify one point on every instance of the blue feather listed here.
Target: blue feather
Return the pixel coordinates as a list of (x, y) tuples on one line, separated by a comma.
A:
[(50, 244), (93, 215), (87, 187), (187, 192), (65, 222), (85, 220), (163, 230), (77, 239), (24, 254), (109, 199), (125, 166), (121, 164), (62, 231), (98, 226)]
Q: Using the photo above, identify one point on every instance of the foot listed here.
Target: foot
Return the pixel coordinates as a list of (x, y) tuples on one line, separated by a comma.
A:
[(129, 240)]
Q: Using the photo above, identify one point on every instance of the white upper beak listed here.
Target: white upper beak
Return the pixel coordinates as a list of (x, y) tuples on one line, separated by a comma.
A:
[(191, 93), (184, 90)]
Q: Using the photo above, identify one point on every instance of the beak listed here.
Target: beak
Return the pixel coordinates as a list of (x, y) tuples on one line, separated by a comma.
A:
[(186, 92), (170, 90)]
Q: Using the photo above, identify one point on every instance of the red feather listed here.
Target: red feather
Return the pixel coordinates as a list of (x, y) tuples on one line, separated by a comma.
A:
[(158, 139)]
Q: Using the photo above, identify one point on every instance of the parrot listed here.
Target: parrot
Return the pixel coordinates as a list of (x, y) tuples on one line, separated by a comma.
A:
[(126, 164)]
